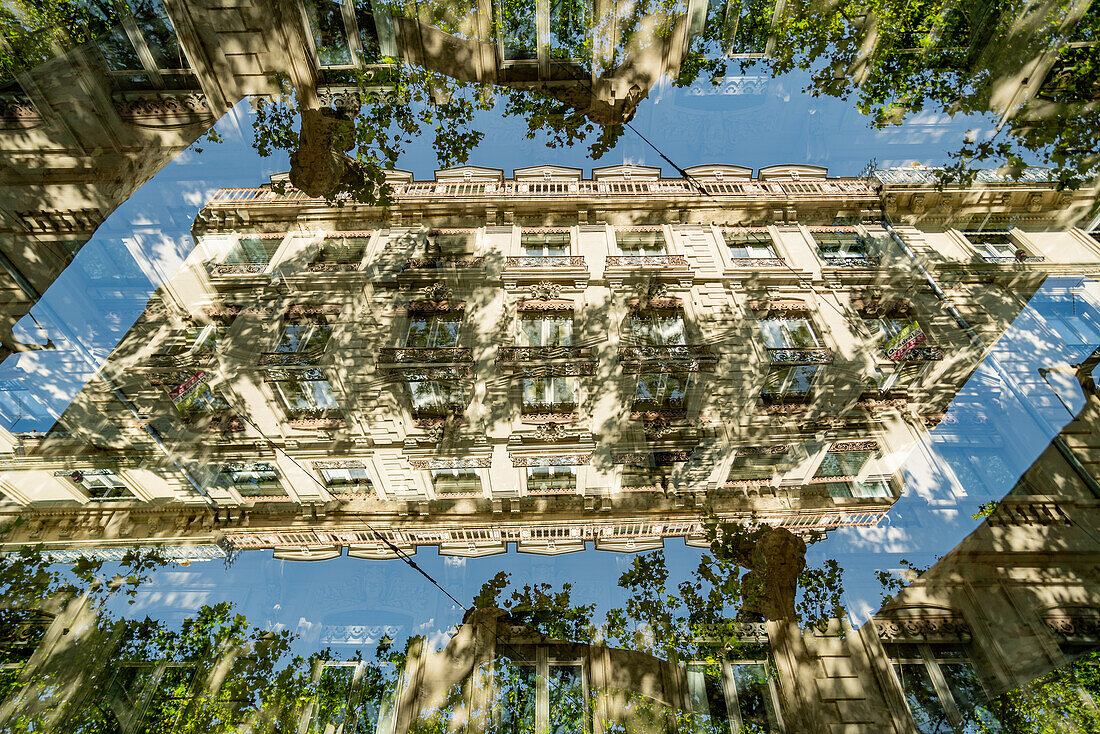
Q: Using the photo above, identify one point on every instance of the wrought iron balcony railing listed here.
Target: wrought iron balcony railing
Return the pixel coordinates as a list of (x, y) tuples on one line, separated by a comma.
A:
[(665, 351), (181, 359), (863, 261), (545, 261), (918, 354), (291, 359), (646, 261), (237, 268), (758, 262), (332, 267), (431, 263), (509, 355), (1011, 259), (407, 355), (308, 419), (785, 355)]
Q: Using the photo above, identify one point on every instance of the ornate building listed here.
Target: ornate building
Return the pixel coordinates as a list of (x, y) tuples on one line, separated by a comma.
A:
[(543, 360)]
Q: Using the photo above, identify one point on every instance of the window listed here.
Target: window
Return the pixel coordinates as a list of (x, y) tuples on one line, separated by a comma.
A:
[(545, 244), (664, 390), (659, 327), (836, 245), (569, 22), (750, 245), (101, 485), (860, 490), (304, 336), (557, 393), (543, 696), (550, 478), (900, 377), (326, 26), (993, 245), (341, 251), (24, 410), (143, 692), (352, 697), (254, 479), (755, 466), (433, 330), (517, 30), (738, 695), (537, 330), (251, 250), (142, 28), (641, 243), (436, 397), (198, 340), (645, 477), (348, 476), (791, 333), (202, 399), (456, 480), (844, 463), (940, 686), (306, 394), (790, 381)]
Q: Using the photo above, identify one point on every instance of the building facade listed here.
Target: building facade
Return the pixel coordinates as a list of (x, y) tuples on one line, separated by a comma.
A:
[(543, 360)]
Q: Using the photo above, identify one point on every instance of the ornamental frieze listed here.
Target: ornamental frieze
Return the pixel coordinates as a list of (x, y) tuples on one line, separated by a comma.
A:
[(238, 268), (841, 447), (553, 460), (554, 305), (662, 458), (225, 312), (1079, 626), (339, 464), (868, 261), (545, 261), (436, 306), (922, 628), (301, 311), (652, 414), (763, 450), (326, 422), (451, 463), (332, 267), (758, 262), (645, 261), (779, 304), (549, 417)]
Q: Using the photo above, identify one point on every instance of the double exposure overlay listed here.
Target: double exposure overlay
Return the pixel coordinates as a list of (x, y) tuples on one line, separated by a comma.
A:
[(553, 367)]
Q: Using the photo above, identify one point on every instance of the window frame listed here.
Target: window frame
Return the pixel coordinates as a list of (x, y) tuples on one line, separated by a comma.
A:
[(544, 249), (464, 478), (940, 685), (542, 663), (546, 321), (751, 234), (433, 319), (626, 236)]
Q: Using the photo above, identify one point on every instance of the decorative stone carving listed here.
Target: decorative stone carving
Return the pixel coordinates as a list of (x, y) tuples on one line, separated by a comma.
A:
[(546, 290), (437, 292), (433, 306), (763, 450), (841, 447), (339, 464), (550, 431), (451, 463), (922, 628), (164, 108), (1077, 625), (553, 460), (657, 429)]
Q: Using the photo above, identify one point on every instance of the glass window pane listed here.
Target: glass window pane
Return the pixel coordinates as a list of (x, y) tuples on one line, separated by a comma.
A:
[(515, 696), (569, 29), (708, 700), (156, 28), (326, 23), (566, 694), (754, 700), (419, 330), (368, 31), (331, 703), (924, 704), (517, 30)]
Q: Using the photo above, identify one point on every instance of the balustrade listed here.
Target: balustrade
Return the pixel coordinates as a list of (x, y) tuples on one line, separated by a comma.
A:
[(790, 355), (645, 261), (399, 355)]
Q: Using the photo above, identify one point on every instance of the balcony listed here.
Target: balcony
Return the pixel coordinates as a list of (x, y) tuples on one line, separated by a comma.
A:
[(1012, 259), (291, 359), (787, 355), (424, 355), (862, 261), (648, 358), (444, 262), (618, 268), (649, 410), (332, 267), (547, 361), (316, 419), (545, 268), (758, 262), (186, 358), (221, 269), (917, 354), (537, 413)]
